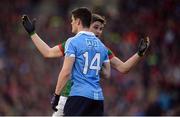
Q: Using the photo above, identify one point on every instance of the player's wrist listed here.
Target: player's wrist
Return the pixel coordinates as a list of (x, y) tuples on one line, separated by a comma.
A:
[(55, 99), (32, 33), (141, 54), (56, 95)]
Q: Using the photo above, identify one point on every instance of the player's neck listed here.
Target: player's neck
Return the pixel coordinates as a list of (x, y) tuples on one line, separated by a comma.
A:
[(83, 29)]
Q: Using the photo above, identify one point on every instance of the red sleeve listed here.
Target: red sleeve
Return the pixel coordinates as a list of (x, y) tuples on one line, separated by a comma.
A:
[(110, 54), (61, 48)]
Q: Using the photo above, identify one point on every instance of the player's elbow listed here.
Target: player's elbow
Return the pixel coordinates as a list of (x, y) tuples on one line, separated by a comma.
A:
[(46, 54), (66, 72), (50, 54), (64, 75), (123, 70), (107, 75)]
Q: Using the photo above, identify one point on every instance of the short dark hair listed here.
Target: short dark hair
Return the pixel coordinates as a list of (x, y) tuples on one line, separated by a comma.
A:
[(84, 14), (96, 17)]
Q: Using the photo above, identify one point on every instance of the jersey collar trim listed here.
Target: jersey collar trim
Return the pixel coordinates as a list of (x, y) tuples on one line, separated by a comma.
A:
[(86, 32)]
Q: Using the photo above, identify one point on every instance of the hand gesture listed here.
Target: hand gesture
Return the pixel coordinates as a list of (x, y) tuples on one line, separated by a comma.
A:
[(28, 25), (143, 46)]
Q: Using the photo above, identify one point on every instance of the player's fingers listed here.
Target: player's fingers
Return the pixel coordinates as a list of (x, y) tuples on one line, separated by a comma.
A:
[(23, 22), (141, 41), (23, 17), (147, 40), (54, 108), (34, 22)]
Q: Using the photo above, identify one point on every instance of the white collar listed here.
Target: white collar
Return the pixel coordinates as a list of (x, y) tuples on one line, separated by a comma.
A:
[(86, 32)]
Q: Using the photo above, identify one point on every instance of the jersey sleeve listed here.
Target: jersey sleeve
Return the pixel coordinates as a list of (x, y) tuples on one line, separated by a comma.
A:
[(62, 47), (106, 57), (110, 54), (69, 48)]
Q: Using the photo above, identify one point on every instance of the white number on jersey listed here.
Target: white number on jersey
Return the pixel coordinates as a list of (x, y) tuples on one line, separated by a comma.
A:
[(96, 59)]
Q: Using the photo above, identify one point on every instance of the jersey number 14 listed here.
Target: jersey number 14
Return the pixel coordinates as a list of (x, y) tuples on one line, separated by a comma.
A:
[(96, 59)]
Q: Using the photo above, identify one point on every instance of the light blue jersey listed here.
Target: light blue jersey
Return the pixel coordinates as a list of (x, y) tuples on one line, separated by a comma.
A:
[(90, 54)]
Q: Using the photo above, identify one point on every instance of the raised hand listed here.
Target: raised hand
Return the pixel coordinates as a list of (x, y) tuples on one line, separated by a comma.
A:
[(28, 25), (143, 46)]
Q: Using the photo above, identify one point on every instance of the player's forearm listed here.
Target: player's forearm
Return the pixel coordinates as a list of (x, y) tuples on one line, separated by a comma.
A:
[(125, 67), (106, 70), (105, 73), (131, 62), (41, 45), (62, 80)]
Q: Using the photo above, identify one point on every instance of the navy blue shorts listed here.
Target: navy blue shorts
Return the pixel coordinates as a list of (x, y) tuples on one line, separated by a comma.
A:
[(82, 106)]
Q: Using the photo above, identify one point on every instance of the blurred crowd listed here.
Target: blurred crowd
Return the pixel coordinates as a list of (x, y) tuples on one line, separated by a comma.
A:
[(151, 88)]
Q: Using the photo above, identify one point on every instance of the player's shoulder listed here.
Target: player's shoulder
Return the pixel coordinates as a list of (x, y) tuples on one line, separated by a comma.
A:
[(102, 44), (70, 40), (75, 38), (74, 41)]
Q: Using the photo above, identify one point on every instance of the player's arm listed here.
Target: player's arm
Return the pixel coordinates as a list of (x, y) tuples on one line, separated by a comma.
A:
[(106, 70), (64, 74), (125, 67), (44, 49), (62, 80)]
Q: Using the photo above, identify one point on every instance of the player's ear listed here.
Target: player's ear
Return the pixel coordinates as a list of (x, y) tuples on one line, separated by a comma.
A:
[(78, 21)]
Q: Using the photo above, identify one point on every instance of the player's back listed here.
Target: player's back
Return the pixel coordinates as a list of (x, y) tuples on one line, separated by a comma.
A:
[(89, 53)]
